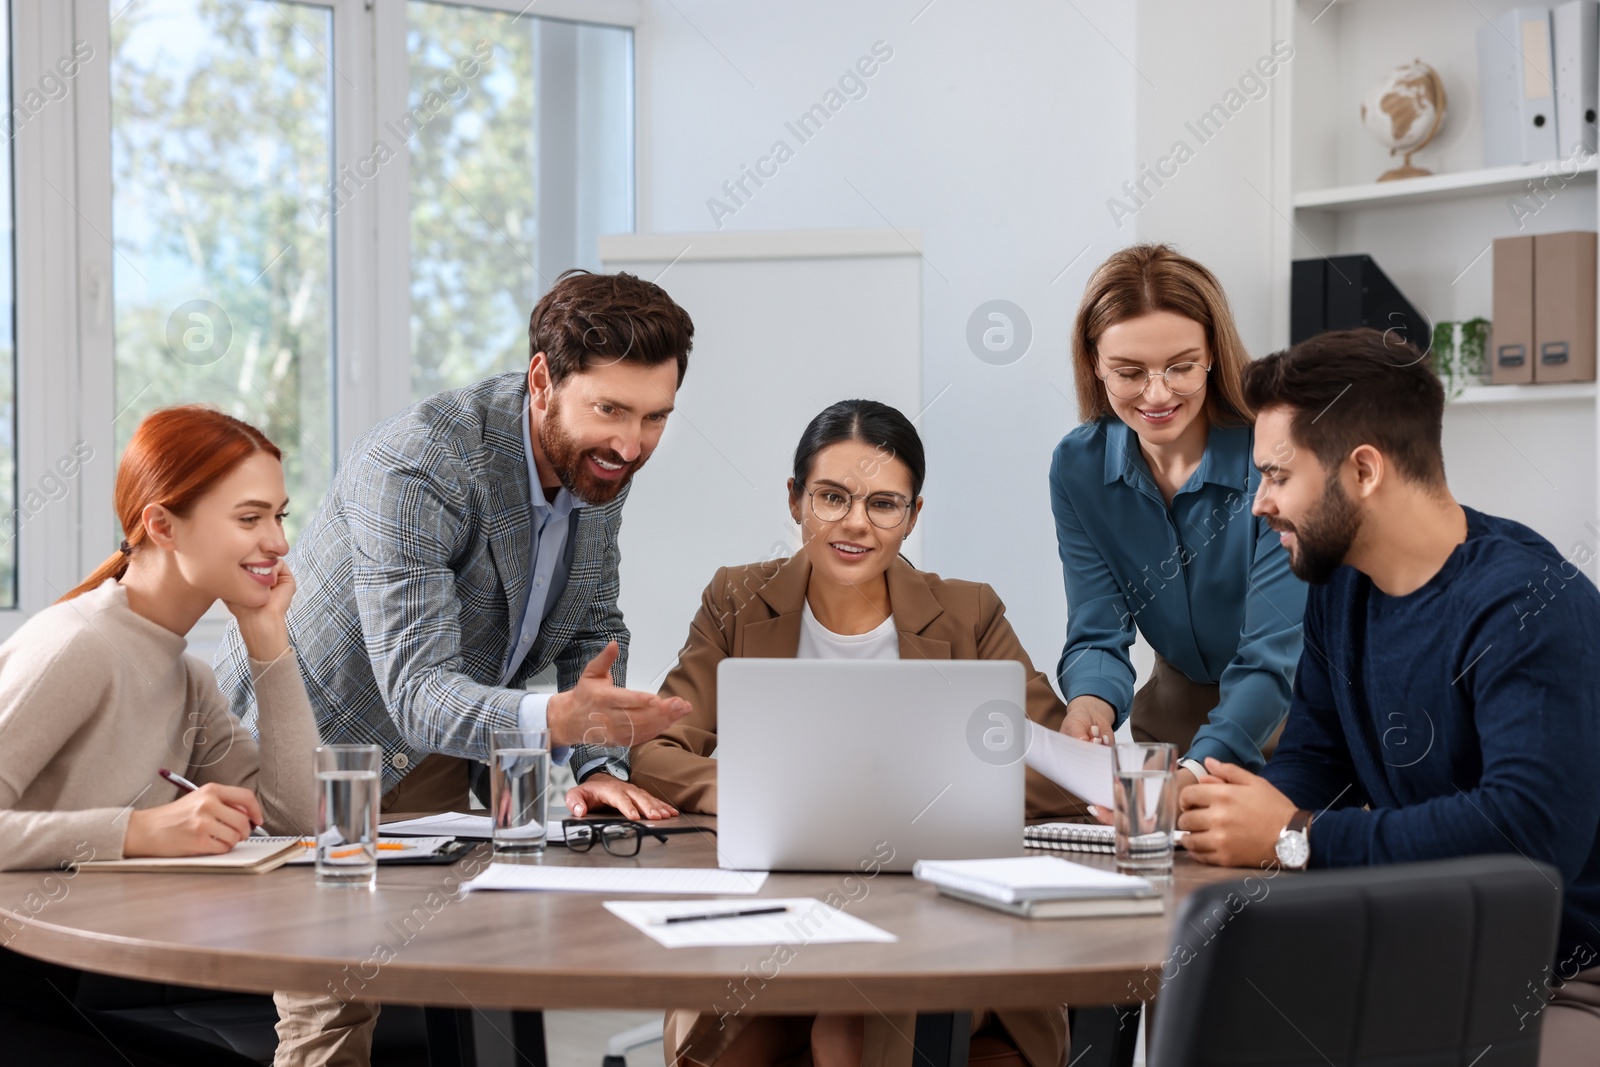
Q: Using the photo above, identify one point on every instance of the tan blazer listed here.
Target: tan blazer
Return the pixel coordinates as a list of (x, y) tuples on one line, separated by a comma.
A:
[(754, 611)]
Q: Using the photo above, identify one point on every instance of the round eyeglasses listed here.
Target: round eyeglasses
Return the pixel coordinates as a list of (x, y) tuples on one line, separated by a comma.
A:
[(1129, 383), (884, 510)]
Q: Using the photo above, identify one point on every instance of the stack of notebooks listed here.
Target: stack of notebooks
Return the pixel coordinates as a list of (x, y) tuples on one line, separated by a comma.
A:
[(1041, 887)]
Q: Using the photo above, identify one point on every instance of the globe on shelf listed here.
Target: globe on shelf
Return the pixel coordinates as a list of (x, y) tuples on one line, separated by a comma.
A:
[(1404, 113)]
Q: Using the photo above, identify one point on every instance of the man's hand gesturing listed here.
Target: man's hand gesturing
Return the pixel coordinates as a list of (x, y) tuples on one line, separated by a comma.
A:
[(597, 712)]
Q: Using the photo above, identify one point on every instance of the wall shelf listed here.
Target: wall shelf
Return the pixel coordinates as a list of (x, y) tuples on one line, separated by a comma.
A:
[(1492, 181), (1527, 394), (1529, 452)]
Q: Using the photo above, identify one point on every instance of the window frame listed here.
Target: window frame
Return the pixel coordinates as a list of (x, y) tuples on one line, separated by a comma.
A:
[(65, 359)]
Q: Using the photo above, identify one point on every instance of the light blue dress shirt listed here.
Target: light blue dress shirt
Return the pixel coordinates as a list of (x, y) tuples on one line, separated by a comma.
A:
[(547, 578), (1206, 582)]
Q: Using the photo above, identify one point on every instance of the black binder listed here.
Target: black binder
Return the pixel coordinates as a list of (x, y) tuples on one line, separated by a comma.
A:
[(1347, 293)]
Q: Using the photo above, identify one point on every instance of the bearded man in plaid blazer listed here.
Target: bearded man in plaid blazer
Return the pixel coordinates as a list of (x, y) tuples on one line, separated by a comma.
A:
[(466, 545)]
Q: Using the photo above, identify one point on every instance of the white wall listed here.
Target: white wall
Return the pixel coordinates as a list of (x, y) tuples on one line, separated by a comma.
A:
[(998, 131), (1223, 205), (715, 490)]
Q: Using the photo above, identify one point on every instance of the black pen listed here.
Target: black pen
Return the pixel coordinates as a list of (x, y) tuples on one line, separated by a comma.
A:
[(719, 915)]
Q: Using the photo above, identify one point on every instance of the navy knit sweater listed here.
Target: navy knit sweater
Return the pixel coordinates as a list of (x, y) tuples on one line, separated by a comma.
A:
[(1466, 715)]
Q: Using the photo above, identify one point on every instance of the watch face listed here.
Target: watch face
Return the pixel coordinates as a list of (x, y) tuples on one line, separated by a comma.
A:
[(1293, 850)]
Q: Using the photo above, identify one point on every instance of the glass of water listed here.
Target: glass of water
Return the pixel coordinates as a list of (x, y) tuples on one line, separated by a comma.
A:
[(1146, 805), (347, 815), (519, 781)]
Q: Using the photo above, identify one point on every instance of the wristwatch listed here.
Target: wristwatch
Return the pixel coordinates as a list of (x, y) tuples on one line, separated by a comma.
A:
[(1294, 842)]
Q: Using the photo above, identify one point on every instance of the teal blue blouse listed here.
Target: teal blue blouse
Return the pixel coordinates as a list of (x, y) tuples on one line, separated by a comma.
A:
[(1206, 582)]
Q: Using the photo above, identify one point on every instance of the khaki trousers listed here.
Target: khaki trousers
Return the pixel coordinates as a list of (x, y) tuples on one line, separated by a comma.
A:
[(1172, 708), (1572, 1022), (323, 1030)]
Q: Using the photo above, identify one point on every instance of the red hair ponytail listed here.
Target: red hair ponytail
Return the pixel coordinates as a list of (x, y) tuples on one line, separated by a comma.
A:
[(176, 456)]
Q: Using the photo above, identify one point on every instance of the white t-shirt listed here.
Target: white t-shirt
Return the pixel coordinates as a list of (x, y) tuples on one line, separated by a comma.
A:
[(819, 642)]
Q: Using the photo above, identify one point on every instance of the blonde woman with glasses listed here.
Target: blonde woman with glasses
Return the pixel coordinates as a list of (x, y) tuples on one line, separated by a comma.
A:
[(1152, 495)]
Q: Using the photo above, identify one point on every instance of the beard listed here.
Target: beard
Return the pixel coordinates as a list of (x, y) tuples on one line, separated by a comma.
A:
[(1324, 537), (567, 457)]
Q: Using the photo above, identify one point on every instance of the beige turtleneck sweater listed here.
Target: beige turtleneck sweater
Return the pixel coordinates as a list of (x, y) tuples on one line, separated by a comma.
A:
[(95, 699)]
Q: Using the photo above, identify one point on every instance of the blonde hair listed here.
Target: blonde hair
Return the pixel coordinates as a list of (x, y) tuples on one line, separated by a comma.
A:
[(1145, 278)]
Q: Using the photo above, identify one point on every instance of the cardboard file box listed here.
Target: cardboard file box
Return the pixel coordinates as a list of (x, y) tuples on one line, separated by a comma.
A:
[(1564, 307), (1511, 338)]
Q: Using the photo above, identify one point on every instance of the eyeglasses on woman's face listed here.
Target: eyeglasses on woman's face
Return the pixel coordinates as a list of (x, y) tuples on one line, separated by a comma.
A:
[(885, 510), (1130, 383)]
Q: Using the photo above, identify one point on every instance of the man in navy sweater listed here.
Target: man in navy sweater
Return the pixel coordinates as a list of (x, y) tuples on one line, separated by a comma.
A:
[(1447, 702)]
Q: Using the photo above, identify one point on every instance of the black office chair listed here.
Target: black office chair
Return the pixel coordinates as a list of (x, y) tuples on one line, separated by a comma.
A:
[(1426, 963), (245, 1023)]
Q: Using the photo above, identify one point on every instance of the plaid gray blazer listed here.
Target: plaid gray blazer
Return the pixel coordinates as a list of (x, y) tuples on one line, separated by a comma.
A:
[(411, 578)]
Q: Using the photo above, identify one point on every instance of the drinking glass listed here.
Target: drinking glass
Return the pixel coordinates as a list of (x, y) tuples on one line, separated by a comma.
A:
[(347, 815), (1146, 805), (519, 781)]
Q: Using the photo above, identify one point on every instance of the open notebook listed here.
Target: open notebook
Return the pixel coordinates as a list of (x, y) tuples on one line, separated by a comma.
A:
[(253, 855)]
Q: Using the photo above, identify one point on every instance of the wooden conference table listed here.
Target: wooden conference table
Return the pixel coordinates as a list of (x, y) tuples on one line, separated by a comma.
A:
[(415, 940)]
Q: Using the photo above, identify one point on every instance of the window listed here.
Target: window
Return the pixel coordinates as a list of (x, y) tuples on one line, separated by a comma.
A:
[(308, 213), (221, 143), (13, 517), (521, 154)]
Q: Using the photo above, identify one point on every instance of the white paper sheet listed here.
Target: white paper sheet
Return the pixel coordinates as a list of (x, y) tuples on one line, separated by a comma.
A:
[(807, 922), (617, 879), (459, 824), (1082, 767), (450, 824)]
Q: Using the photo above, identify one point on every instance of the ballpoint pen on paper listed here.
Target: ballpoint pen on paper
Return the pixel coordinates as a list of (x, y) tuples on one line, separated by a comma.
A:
[(719, 915), (189, 787)]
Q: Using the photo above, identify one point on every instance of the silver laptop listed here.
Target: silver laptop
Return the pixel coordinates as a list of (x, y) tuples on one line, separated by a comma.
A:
[(830, 765)]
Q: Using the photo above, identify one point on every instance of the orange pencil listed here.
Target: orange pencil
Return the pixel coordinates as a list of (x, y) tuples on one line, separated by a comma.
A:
[(341, 854)]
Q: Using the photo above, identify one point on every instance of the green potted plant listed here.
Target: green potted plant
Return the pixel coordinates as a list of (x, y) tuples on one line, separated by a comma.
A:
[(1459, 352)]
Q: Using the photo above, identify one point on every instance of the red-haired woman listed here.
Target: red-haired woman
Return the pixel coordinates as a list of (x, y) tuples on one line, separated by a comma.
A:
[(97, 696)]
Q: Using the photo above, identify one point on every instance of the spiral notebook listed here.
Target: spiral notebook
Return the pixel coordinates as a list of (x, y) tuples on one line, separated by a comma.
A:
[(1077, 837), (1070, 837)]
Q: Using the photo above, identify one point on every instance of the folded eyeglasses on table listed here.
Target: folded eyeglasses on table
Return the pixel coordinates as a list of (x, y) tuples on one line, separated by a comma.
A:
[(620, 837)]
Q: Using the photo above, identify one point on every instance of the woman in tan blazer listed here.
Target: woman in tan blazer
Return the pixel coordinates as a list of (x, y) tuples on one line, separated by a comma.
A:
[(756, 609), (848, 593)]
